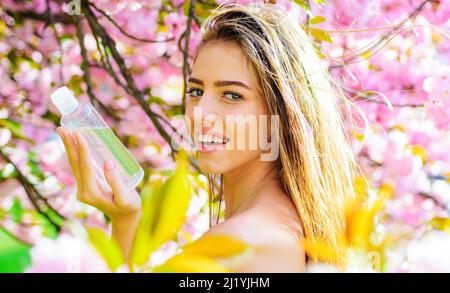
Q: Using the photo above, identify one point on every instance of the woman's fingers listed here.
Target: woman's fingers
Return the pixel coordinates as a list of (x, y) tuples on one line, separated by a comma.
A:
[(124, 198), (89, 190), (72, 155), (87, 169)]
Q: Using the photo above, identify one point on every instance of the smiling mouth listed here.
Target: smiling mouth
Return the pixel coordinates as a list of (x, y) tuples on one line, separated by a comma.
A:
[(207, 139), (209, 143)]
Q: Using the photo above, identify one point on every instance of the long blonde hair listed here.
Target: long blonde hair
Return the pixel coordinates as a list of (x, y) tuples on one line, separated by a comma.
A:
[(316, 164)]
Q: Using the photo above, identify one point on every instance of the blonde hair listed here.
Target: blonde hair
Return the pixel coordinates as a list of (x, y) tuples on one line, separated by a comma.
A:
[(316, 164)]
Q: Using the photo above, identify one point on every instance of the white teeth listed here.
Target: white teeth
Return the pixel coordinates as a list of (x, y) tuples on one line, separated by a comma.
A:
[(207, 138)]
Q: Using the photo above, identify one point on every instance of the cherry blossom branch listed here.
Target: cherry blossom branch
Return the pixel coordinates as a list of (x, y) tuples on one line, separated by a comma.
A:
[(87, 77), (45, 17), (107, 42), (368, 96), (136, 93), (437, 202), (123, 31), (187, 37), (103, 67), (98, 30), (33, 194), (107, 66), (57, 38), (385, 36), (6, 231), (308, 18)]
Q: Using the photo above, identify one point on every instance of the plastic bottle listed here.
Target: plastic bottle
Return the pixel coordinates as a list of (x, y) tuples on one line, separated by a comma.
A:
[(103, 143)]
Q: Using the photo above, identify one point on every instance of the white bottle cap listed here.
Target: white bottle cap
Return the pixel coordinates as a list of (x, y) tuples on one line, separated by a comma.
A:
[(64, 100)]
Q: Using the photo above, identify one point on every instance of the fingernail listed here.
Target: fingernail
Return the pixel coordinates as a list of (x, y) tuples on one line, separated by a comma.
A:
[(75, 137), (109, 165), (60, 132)]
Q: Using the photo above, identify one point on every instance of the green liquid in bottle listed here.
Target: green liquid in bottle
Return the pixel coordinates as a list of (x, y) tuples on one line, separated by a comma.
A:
[(105, 137)]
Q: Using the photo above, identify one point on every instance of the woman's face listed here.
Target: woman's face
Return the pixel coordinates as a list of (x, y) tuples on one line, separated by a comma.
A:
[(224, 109)]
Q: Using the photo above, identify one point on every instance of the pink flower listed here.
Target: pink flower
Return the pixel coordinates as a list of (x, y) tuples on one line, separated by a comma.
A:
[(66, 254), (438, 107), (430, 254)]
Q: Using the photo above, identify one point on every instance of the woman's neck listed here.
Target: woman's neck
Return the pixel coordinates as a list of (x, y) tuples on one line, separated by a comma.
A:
[(240, 184)]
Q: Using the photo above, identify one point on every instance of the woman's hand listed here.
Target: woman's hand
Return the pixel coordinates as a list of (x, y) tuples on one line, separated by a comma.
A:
[(122, 204)]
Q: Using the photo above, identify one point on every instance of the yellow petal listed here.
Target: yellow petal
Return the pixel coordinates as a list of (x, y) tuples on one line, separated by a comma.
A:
[(441, 223), (191, 263), (176, 195), (151, 204), (319, 250), (216, 246), (107, 247)]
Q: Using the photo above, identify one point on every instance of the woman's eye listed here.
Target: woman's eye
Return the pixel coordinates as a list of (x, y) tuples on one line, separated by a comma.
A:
[(233, 96), (193, 92)]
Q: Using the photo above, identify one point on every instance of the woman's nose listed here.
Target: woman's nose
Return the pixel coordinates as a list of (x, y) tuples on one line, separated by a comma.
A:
[(207, 111), (207, 105)]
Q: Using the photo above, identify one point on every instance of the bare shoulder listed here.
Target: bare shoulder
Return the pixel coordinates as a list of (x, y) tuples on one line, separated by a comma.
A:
[(276, 241)]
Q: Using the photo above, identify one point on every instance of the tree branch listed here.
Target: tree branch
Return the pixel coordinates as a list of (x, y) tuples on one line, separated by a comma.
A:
[(108, 42), (187, 37), (367, 96), (87, 77), (45, 17), (123, 31), (33, 194), (385, 36)]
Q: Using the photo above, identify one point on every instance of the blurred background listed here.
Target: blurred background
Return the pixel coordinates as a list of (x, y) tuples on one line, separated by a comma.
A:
[(130, 60)]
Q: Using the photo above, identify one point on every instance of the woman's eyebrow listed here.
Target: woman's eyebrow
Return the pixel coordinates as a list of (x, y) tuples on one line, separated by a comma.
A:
[(220, 82)]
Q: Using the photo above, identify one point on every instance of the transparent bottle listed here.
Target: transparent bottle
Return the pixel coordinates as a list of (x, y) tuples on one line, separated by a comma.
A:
[(103, 143)]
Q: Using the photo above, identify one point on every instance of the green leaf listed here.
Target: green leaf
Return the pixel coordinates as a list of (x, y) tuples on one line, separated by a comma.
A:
[(320, 2), (49, 230), (16, 211), (440, 223), (14, 127), (176, 195), (51, 117), (34, 165), (14, 255), (8, 172), (191, 263), (320, 35), (75, 83), (66, 37), (216, 246), (12, 57), (186, 8), (317, 19), (164, 207), (151, 205), (156, 100), (303, 4), (107, 247)]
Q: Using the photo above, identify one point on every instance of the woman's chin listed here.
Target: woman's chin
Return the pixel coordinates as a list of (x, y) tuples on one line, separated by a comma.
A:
[(210, 164)]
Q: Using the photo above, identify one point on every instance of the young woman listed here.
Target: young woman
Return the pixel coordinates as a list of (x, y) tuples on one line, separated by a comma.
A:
[(253, 61)]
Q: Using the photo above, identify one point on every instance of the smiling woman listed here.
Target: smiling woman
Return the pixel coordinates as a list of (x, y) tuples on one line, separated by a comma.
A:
[(253, 63), (256, 62)]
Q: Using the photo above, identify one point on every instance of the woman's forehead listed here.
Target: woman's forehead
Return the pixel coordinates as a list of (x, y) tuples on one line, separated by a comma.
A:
[(222, 61)]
